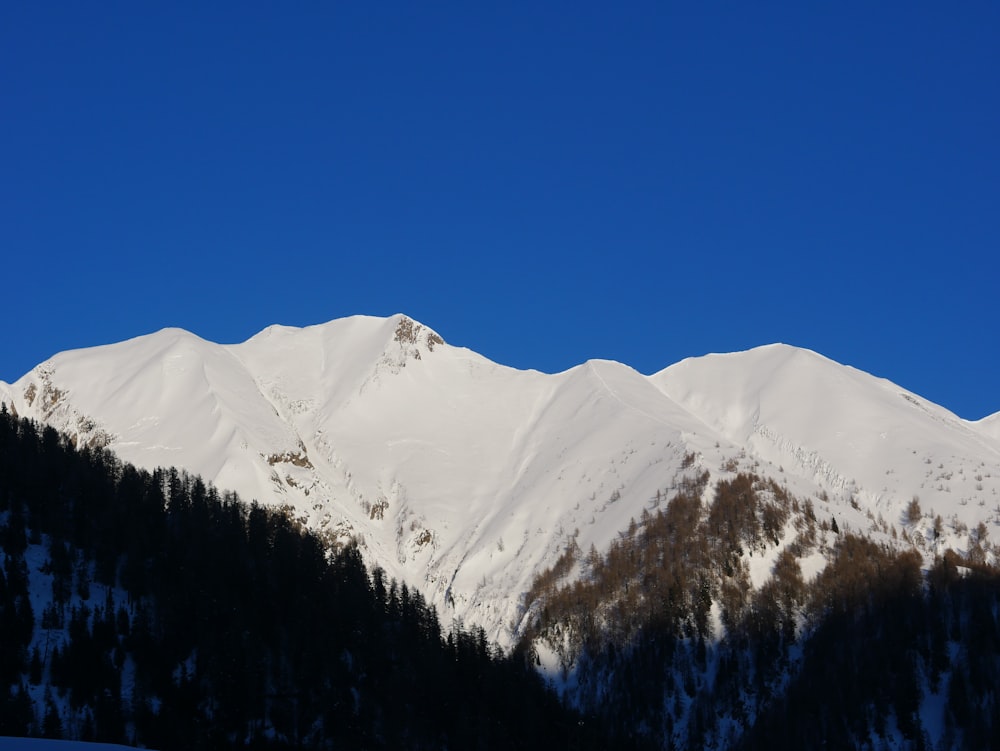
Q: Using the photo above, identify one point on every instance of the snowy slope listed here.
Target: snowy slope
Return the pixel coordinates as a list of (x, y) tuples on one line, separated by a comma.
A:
[(467, 478), (989, 425), (843, 430), (42, 744)]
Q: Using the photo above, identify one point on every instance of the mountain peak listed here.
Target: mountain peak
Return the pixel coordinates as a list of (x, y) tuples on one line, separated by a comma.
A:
[(397, 328), (466, 478), (409, 331)]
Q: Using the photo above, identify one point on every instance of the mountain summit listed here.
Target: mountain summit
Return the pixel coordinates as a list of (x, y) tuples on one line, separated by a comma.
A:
[(468, 479)]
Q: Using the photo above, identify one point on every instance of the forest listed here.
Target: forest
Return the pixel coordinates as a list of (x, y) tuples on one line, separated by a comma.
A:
[(145, 608), (665, 638)]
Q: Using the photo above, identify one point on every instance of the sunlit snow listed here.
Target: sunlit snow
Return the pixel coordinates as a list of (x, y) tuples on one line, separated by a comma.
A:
[(467, 478)]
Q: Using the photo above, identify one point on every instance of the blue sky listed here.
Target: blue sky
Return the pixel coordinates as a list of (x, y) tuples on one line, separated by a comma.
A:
[(542, 182)]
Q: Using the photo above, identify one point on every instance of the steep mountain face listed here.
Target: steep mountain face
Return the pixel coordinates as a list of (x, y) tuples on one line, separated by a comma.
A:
[(467, 479)]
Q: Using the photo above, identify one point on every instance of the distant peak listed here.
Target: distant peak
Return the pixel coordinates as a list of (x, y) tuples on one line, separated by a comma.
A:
[(175, 333), (765, 356), (409, 331), (781, 348)]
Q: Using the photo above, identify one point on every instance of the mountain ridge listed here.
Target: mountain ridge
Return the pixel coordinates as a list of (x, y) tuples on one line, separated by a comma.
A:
[(467, 478)]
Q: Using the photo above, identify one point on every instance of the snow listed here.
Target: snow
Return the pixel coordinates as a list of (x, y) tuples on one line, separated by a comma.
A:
[(40, 744), (843, 430), (467, 478), (989, 426)]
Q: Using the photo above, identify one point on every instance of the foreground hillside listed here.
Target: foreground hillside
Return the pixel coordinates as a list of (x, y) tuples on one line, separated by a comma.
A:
[(467, 479), (666, 638), (146, 608)]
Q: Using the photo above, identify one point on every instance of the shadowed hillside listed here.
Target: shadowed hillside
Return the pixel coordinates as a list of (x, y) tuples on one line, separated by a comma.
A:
[(843, 642), (144, 608)]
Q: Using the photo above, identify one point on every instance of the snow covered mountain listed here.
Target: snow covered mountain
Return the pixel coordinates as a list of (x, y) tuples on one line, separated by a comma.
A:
[(467, 478), (842, 429)]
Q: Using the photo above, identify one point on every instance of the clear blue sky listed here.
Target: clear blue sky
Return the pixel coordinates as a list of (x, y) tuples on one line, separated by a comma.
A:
[(542, 182)]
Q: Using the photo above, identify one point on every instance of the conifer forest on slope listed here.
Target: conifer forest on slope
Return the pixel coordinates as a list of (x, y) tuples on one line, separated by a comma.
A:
[(146, 608)]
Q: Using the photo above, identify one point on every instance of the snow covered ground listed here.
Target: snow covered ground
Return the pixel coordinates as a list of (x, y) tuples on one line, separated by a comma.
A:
[(40, 744)]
